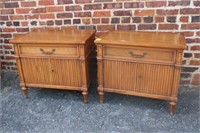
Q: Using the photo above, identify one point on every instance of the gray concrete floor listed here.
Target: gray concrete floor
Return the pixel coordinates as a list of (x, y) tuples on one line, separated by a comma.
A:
[(61, 111)]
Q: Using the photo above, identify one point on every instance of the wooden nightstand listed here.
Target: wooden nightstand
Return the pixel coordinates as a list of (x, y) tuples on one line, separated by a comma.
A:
[(140, 63), (58, 59)]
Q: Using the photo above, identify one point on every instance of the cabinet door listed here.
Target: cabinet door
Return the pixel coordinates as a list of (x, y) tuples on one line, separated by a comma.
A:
[(155, 79), (66, 72), (120, 75), (138, 77), (37, 70)]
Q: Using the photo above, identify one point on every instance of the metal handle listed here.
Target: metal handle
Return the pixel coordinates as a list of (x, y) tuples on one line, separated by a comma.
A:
[(47, 52), (137, 55)]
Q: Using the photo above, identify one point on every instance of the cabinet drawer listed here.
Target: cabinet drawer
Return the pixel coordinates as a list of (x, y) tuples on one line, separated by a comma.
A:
[(49, 50), (137, 53)]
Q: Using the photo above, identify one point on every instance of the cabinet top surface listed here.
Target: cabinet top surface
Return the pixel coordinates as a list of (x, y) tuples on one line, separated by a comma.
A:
[(61, 36), (143, 39)]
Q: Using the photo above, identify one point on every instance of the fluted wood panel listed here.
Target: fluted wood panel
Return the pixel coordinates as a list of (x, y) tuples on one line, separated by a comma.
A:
[(138, 77), (50, 71)]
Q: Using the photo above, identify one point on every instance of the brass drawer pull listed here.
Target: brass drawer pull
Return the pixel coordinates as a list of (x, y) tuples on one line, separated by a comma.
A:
[(137, 55), (47, 52)]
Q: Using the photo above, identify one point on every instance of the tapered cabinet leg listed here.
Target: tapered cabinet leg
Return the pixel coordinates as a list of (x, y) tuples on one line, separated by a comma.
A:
[(25, 91), (101, 95), (85, 96), (172, 107)]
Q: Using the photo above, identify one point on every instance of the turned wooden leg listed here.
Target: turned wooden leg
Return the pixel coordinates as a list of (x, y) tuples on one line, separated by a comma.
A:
[(172, 107), (101, 95), (25, 90), (85, 96)]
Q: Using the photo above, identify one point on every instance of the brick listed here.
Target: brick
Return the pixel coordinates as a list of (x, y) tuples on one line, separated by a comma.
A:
[(24, 23), (190, 26), (146, 26), (193, 40), (196, 79), (22, 10), (61, 2), (9, 23), (144, 13), (7, 11), (33, 23), (188, 34), (184, 19), (101, 14), (3, 35), (22, 29), (86, 20), (198, 33), (136, 19), (103, 0), (47, 16), (126, 27), (187, 55), (17, 17), (36, 16), (64, 15), (105, 27), (167, 12), (105, 20), (134, 5), (171, 19), (112, 5), (11, 5), (125, 20), (55, 9), (46, 2), (96, 20), (39, 10), (190, 11), (195, 48), (16, 23), (50, 23), (122, 13), (87, 27), (196, 3), (28, 4), (115, 20), (159, 19), (3, 17), (179, 3), (9, 57), (2, 23), (197, 55), (189, 69), (168, 26), (7, 46), (148, 19), (73, 8), (83, 1), (67, 21), (82, 14), (58, 22), (156, 4), (184, 82), (195, 18), (185, 75), (93, 7), (76, 21), (8, 29), (195, 62)]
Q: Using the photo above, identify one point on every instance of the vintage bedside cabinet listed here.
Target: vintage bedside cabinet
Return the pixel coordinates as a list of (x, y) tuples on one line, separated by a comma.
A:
[(58, 59), (143, 64)]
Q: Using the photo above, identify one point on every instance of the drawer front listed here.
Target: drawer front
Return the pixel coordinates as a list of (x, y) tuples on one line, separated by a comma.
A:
[(135, 53), (49, 50)]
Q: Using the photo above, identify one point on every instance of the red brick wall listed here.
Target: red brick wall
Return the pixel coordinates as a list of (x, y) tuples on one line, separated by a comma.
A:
[(21, 16)]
